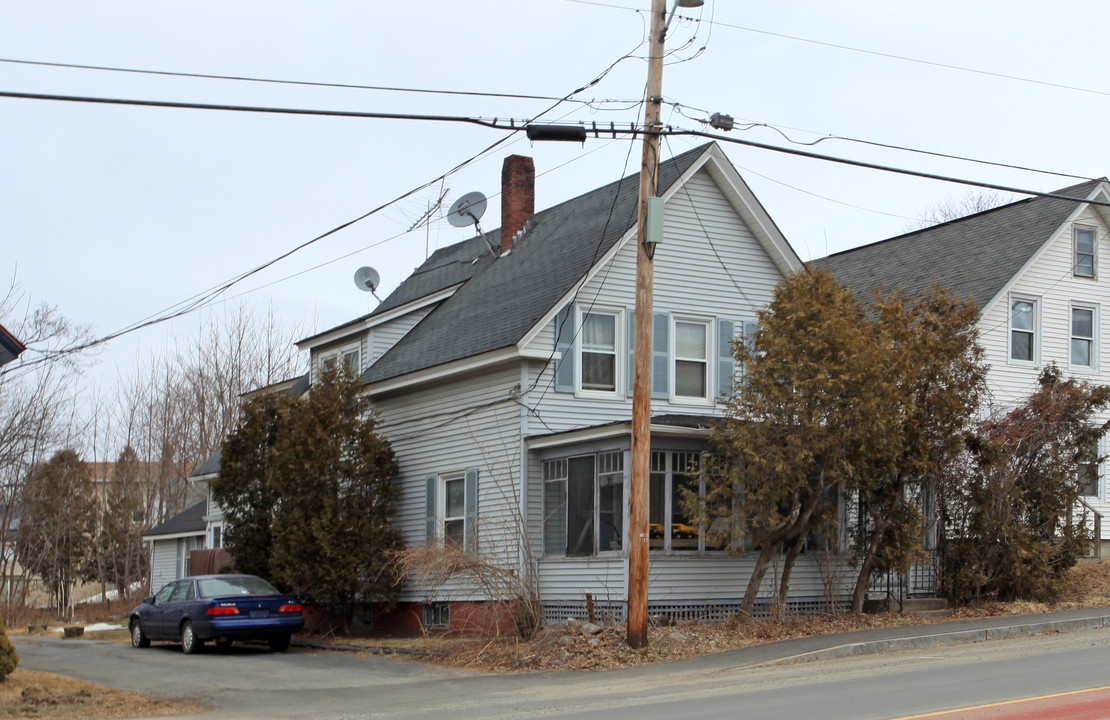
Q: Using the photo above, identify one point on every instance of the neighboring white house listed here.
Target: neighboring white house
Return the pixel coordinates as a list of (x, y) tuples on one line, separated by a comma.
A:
[(172, 542), (1034, 268)]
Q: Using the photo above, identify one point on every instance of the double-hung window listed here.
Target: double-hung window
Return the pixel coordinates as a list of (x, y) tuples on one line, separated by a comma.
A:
[(1023, 329), (454, 510), (584, 504), (1090, 471), (350, 357), (1084, 345), (451, 509), (1085, 253), (691, 359), (599, 351)]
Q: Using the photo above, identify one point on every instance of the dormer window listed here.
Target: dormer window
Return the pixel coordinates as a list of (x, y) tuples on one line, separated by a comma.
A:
[(349, 356), (1085, 254)]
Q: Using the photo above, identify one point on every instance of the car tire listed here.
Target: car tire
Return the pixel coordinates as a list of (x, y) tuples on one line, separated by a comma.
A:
[(190, 643), (138, 637), (278, 643)]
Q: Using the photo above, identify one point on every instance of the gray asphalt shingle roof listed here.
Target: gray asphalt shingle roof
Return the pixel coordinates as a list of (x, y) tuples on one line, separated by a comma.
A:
[(190, 520), (974, 256), (504, 298)]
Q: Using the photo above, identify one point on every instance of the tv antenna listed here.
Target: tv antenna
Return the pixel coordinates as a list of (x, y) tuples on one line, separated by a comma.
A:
[(367, 280), (468, 210)]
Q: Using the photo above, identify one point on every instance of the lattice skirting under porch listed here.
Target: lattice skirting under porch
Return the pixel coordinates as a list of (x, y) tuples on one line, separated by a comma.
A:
[(613, 613)]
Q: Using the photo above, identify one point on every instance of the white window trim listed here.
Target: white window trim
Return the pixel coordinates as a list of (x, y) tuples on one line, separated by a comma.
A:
[(341, 352), (619, 352), (626, 474), (1036, 301), (1075, 251), (1100, 496), (1095, 352), (709, 360), (441, 505)]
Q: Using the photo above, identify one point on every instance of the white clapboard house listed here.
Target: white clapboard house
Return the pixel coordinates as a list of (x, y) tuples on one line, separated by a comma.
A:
[(1034, 268)]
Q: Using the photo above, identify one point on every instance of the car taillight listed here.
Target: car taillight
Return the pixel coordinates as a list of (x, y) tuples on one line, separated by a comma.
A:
[(223, 610), (290, 607)]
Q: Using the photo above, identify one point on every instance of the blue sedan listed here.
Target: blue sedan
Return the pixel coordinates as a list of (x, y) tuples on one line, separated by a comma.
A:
[(223, 608)]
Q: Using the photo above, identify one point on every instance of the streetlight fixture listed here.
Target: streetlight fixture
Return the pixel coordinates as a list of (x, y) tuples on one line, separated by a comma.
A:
[(680, 4)]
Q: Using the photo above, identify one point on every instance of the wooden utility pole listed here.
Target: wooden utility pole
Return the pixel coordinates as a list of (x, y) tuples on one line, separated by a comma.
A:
[(641, 390)]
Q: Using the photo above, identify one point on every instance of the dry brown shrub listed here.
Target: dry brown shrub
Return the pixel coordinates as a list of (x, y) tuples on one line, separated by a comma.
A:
[(506, 590)]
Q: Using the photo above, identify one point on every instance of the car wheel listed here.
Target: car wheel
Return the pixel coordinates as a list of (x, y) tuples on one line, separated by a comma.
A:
[(279, 643), (190, 643), (138, 637)]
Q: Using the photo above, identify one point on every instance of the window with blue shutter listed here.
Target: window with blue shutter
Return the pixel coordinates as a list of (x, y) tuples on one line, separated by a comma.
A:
[(726, 366), (631, 347), (470, 542), (564, 345), (430, 484), (661, 355)]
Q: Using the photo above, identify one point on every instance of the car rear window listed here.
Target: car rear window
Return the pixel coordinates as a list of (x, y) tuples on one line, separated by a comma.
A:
[(215, 587)]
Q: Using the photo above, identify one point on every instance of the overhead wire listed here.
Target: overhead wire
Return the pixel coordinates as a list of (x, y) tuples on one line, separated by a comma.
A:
[(304, 83), (517, 125), (205, 297), (876, 53)]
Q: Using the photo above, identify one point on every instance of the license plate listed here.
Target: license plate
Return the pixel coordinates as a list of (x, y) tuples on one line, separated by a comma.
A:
[(260, 613)]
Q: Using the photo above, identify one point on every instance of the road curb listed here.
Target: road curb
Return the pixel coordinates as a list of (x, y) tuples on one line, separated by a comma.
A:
[(958, 637)]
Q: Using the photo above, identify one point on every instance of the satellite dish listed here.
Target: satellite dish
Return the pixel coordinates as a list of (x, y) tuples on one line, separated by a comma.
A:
[(467, 210), (367, 279)]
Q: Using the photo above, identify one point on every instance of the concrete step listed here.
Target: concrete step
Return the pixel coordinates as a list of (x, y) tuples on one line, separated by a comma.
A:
[(929, 613), (909, 606)]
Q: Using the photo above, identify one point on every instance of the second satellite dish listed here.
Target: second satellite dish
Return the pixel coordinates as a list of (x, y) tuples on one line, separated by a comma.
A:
[(467, 210), (367, 279)]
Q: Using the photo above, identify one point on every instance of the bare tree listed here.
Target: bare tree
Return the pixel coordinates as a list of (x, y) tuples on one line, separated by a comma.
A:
[(36, 396), (954, 207), (176, 409)]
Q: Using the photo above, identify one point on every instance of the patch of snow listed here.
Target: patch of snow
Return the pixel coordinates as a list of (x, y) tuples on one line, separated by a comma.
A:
[(96, 627)]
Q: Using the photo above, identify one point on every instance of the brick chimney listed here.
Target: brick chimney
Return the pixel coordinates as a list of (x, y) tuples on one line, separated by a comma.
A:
[(518, 197)]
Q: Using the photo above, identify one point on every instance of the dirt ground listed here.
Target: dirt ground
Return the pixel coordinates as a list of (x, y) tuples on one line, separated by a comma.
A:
[(28, 694), (32, 694)]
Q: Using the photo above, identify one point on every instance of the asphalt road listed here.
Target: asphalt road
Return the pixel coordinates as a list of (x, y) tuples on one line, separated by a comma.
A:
[(255, 684)]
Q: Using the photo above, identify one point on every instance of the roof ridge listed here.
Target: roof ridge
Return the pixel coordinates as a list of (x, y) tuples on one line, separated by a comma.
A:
[(954, 221)]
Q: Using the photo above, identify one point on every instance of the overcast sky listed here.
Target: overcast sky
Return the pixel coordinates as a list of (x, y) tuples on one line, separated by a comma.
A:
[(114, 213)]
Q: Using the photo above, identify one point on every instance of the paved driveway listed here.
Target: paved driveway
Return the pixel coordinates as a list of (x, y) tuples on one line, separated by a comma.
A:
[(240, 682)]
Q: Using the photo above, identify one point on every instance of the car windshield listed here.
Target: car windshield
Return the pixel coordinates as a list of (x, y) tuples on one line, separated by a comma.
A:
[(245, 585)]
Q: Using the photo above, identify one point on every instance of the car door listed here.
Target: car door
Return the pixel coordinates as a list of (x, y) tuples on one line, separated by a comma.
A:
[(153, 619), (175, 608)]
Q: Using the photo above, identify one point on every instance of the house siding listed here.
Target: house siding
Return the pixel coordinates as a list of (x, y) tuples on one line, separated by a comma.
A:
[(383, 337), (163, 563), (449, 428), (676, 581), (1049, 279), (709, 266)]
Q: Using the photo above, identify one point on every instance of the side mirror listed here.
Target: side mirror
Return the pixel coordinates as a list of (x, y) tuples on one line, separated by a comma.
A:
[(148, 600)]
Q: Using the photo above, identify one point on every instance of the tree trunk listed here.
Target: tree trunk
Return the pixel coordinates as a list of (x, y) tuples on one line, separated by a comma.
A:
[(870, 560), (787, 567), (770, 548)]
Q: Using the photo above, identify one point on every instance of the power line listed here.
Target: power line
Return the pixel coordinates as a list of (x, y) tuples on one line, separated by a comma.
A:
[(864, 51), (888, 146), (201, 299), (883, 168), (515, 125), (304, 83)]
